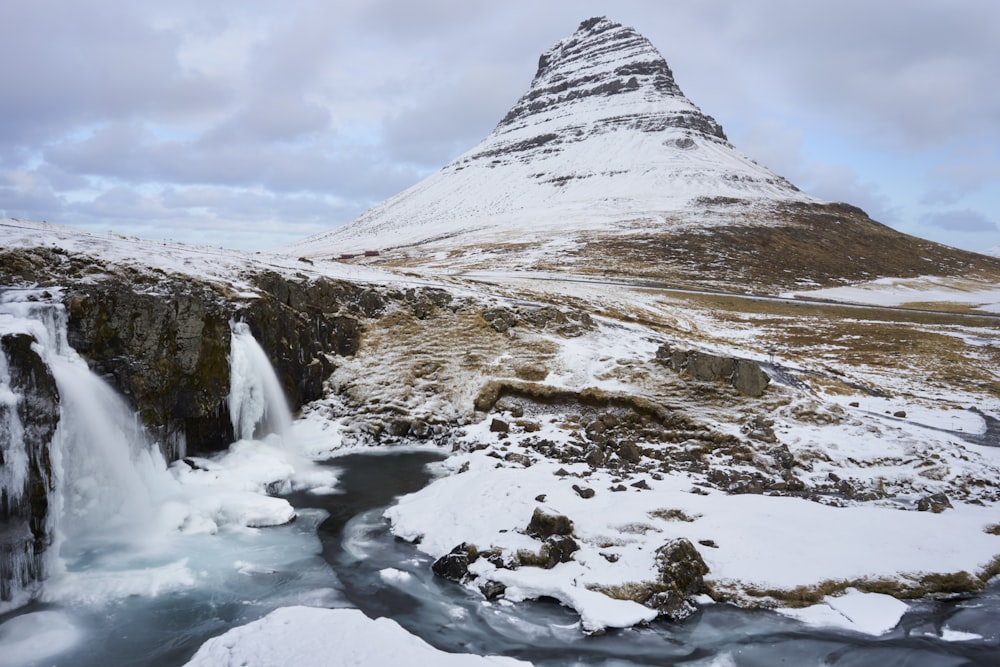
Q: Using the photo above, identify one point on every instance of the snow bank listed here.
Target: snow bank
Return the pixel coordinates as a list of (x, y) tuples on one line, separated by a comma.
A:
[(748, 541), (869, 613), (308, 636)]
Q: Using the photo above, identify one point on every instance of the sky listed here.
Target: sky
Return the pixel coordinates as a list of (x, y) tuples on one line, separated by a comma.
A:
[(251, 123)]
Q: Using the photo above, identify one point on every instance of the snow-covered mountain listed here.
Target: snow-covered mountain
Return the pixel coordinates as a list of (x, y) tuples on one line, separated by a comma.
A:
[(602, 139)]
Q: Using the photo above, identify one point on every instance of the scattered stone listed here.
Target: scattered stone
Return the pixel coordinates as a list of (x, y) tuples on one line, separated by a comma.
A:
[(492, 590), (521, 459), (562, 472), (782, 456), (499, 319), (854, 404), (899, 413), (708, 543), (540, 498), (628, 451), (543, 524), (583, 491), (619, 487), (610, 557), (499, 426), (641, 484), (594, 457), (935, 503)]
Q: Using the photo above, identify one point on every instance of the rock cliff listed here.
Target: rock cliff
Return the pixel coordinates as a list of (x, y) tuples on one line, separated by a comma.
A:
[(24, 510)]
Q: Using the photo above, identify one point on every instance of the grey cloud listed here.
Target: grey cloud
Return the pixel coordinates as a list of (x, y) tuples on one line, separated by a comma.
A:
[(961, 220)]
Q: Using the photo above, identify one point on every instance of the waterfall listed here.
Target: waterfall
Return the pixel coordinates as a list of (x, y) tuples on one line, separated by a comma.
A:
[(257, 403), (102, 474)]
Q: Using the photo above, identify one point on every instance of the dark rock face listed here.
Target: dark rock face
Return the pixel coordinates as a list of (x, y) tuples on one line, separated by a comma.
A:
[(167, 350), (24, 530)]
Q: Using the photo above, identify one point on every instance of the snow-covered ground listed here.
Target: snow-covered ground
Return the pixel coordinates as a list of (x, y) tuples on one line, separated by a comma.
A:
[(307, 637), (926, 291)]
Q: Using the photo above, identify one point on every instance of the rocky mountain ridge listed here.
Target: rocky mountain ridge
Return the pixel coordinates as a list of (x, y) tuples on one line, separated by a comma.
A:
[(603, 139), (603, 167)]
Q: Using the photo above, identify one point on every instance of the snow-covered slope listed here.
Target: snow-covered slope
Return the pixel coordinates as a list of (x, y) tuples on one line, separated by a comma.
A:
[(603, 139)]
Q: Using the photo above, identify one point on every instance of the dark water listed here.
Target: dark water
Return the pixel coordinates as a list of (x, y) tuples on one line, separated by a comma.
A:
[(358, 545), (358, 563)]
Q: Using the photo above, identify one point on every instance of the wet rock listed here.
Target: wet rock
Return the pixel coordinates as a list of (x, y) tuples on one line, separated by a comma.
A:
[(492, 590), (543, 524), (454, 566), (935, 503)]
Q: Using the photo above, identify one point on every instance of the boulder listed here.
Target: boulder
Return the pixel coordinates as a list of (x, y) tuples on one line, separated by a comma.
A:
[(543, 524), (454, 566), (935, 503), (681, 572), (749, 378)]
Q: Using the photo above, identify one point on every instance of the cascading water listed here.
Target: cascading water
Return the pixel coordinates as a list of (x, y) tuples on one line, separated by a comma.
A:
[(257, 403), (105, 476)]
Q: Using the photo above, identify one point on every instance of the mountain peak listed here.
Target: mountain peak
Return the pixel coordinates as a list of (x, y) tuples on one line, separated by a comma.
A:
[(605, 59), (602, 142)]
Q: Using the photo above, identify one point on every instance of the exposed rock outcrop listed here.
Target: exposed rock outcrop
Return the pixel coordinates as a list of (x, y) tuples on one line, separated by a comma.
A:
[(24, 529), (745, 375)]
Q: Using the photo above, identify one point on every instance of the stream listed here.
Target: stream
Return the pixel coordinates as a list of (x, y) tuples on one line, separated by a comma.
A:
[(357, 562)]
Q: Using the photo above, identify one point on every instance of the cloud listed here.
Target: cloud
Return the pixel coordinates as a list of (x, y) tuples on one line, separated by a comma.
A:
[(963, 220), (312, 110)]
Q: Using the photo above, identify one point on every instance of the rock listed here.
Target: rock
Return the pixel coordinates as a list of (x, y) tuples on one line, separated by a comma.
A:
[(619, 487), (899, 413), (710, 367), (594, 457), (642, 485), (583, 491), (499, 319), (543, 524), (492, 590), (783, 457), (708, 543), (499, 426), (558, 549), (454, 566), (935, 503), (540, 498), (681, 572), (24, 520), (749, 378), (628, 451)]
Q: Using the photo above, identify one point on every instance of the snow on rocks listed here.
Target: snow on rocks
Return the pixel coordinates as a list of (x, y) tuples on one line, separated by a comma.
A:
[(758, 549), (309, 636)]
